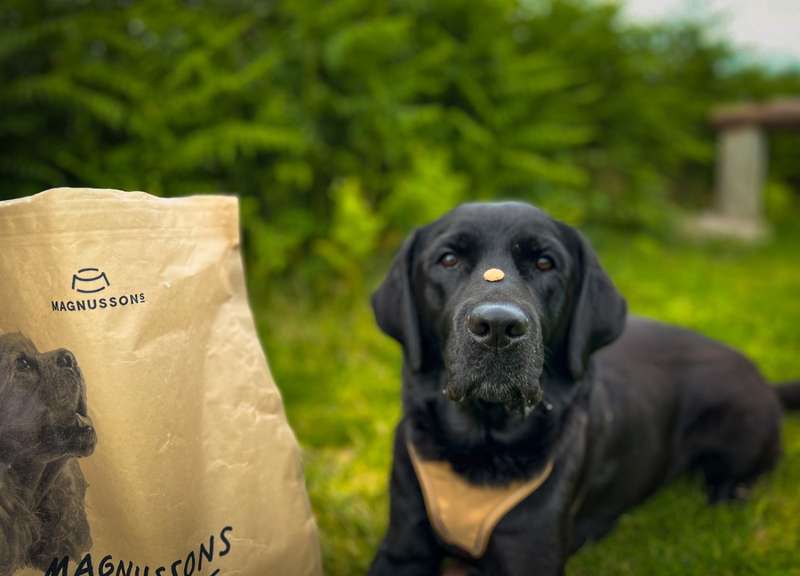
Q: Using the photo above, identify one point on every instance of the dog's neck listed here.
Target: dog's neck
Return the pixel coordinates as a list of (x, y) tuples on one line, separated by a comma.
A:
[(33, 477), (490, 446)]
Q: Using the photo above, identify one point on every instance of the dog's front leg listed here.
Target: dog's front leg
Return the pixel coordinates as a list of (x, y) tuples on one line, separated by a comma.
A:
[(538, 548), (536, 536), (409, 547)]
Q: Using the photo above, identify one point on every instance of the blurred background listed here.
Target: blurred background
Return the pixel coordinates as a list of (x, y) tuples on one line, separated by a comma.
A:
[(343, 124)]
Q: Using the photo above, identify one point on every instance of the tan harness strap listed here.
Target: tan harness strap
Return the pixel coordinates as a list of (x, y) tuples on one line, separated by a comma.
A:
[(464, 514)]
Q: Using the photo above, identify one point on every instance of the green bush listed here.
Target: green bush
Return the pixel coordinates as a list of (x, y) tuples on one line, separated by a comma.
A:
[(383, 111)]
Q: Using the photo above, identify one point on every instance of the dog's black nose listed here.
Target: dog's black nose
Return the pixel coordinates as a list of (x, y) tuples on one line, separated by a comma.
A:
[(65, 359), (497, 325)]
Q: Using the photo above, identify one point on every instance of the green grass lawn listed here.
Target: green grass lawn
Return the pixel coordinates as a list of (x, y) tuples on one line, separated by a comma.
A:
[(341, 383)]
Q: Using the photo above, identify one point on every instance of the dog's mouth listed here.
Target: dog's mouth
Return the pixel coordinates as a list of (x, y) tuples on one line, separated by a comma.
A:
[(515, 397), (73, 436), (79, 433), (84, 435), (522, 398), (83, 422), (490, 380)]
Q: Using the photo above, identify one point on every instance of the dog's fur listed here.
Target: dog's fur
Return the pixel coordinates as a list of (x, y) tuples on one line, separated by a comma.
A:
[(620, 404), (44, 428)]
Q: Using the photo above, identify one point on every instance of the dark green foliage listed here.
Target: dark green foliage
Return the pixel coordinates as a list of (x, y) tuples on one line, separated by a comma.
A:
[(342, 123)]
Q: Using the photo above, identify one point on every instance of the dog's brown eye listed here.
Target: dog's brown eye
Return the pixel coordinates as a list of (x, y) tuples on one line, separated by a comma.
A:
[(449, 260), (544, 263), (23, 363)]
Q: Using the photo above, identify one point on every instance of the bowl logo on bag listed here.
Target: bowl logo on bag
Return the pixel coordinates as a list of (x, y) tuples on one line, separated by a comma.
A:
[(90, 281)]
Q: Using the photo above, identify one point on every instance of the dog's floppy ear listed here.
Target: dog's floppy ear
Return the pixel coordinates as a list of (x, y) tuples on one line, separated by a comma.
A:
[(599, 311), (394, 307)]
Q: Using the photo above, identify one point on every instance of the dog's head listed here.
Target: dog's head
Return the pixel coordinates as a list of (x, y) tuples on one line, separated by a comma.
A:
[(491, 295), (43, 415)]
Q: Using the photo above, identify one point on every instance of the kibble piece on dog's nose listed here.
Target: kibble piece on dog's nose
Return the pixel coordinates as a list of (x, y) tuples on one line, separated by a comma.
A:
[(494, 275)]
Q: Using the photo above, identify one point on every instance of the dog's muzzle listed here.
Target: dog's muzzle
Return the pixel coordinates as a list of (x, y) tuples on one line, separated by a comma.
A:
[(494, 354)]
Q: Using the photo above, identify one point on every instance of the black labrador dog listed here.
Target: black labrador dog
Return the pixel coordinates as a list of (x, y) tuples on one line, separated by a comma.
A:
[(44, 427), (519, 354)]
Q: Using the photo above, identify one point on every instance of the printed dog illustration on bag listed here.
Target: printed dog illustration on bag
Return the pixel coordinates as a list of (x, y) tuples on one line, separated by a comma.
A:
[(44, 430)]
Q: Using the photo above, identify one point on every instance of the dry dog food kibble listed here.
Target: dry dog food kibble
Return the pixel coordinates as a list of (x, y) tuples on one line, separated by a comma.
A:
[(494, 275), (141, 432)]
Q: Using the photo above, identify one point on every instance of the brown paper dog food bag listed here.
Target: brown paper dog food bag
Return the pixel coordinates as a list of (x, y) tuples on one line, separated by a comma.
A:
[(141, 433)]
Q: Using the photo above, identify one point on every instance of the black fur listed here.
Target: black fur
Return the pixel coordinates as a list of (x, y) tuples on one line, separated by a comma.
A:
[(44, 428), (620, 404), (789, 394)]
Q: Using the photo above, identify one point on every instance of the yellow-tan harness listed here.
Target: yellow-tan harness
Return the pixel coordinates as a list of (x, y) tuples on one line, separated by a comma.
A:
[(463, 514)]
